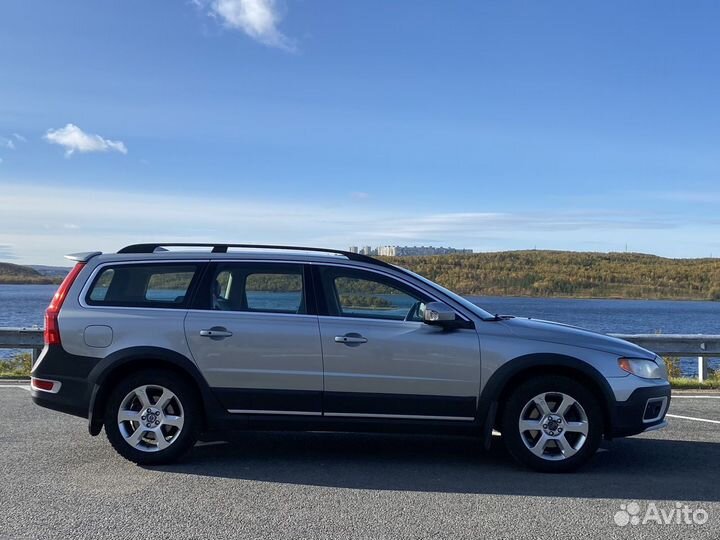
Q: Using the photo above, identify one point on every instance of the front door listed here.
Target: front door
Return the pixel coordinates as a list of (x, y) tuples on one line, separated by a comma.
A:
[(382, 361), (255, 340)]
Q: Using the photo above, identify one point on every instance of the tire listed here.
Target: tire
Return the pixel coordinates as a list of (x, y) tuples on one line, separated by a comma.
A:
[(569, 426), (152, 432)]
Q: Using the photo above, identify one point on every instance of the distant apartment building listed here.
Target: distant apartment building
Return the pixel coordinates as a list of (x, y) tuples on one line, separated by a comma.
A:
[(400, 251)]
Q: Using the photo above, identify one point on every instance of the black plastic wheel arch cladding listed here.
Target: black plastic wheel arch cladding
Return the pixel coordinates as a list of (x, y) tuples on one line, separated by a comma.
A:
[(122, 362), (497, 385)]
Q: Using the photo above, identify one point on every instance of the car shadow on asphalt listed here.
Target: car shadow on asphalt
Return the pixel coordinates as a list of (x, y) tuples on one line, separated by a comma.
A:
[(632, 468)]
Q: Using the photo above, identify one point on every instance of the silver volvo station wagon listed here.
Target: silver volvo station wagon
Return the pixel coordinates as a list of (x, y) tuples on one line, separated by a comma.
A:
[(163, 344)]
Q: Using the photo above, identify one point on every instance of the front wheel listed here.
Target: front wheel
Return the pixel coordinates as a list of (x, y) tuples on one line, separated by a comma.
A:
[(552, 424), (152, 417)]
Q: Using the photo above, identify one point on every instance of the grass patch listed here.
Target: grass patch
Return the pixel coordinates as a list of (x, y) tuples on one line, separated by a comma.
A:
[(17, 367), (683, 383)]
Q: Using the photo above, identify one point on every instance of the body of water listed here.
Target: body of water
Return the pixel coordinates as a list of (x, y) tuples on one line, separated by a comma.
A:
[(24, 305)]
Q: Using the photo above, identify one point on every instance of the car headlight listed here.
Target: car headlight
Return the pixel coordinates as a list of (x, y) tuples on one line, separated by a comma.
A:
[(647, 369)]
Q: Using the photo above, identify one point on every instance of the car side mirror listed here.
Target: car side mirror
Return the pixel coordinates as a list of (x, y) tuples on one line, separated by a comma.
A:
[(438, 313)]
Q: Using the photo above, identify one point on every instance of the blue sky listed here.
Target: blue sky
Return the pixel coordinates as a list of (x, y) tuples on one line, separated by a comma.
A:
[(487, 125)]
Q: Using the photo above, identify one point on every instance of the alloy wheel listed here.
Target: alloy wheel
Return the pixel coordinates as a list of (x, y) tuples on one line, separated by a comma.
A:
[(553, 426), (150, 418)]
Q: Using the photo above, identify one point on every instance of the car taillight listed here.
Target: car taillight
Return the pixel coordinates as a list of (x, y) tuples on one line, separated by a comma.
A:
[(52, 332)]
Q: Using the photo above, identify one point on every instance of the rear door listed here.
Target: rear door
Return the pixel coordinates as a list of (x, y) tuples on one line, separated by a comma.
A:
[(254, 334), (382, 361)]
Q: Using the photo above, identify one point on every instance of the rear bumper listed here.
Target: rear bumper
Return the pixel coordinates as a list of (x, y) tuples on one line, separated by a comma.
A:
[(71, 372), (63, 405), (644, 410)]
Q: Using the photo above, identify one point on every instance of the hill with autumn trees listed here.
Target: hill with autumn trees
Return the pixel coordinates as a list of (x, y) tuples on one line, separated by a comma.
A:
[(536, 273), (570, 274), (19, 274)]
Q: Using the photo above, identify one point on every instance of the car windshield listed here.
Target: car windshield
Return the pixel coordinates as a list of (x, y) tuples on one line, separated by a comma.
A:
[(477, 310)]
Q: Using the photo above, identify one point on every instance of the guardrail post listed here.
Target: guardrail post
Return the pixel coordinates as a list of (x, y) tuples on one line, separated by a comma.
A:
[(702, 369)]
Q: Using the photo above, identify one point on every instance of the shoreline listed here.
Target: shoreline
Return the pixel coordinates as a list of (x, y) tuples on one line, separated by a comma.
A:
[(48, 281), (565, 297), (57, 281)]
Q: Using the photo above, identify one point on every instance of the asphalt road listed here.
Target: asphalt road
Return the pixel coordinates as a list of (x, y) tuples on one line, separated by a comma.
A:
[(58, 482)]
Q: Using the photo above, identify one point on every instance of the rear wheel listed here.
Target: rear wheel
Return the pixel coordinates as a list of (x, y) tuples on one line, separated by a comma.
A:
[(152, 417), (552, 424)]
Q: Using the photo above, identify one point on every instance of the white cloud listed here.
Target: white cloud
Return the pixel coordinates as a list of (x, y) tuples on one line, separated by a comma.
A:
[(7, 252), (257, 18), (74, 139), (43, 223), (698, 196), (9, 142)]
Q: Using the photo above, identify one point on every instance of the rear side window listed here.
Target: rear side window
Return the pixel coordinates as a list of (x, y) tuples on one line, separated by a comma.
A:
[(254, 287), (281, 292), (143, 285)]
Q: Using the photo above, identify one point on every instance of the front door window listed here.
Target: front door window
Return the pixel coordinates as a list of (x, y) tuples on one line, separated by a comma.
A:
[(353, 293)]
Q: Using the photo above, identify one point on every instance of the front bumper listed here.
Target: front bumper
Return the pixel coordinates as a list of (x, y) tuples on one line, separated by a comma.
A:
[(655, 427), (644, 410)]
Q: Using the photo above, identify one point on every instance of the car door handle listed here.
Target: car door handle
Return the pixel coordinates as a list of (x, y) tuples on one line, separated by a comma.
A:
[(216, 333), (350, 338)]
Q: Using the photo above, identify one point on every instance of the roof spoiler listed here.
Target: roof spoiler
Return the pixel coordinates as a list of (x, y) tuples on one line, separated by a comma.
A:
[(83, 257)]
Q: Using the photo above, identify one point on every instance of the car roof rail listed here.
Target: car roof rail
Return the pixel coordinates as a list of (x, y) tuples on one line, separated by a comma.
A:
[(223, 248)]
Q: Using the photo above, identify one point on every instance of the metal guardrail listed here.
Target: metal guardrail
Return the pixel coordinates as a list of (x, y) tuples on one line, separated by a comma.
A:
[(699, 345), (676, 344), (22, 338), (685, 345)]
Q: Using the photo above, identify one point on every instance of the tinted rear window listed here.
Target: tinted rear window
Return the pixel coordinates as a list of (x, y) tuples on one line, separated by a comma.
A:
[(254, 287), (143, 285)]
